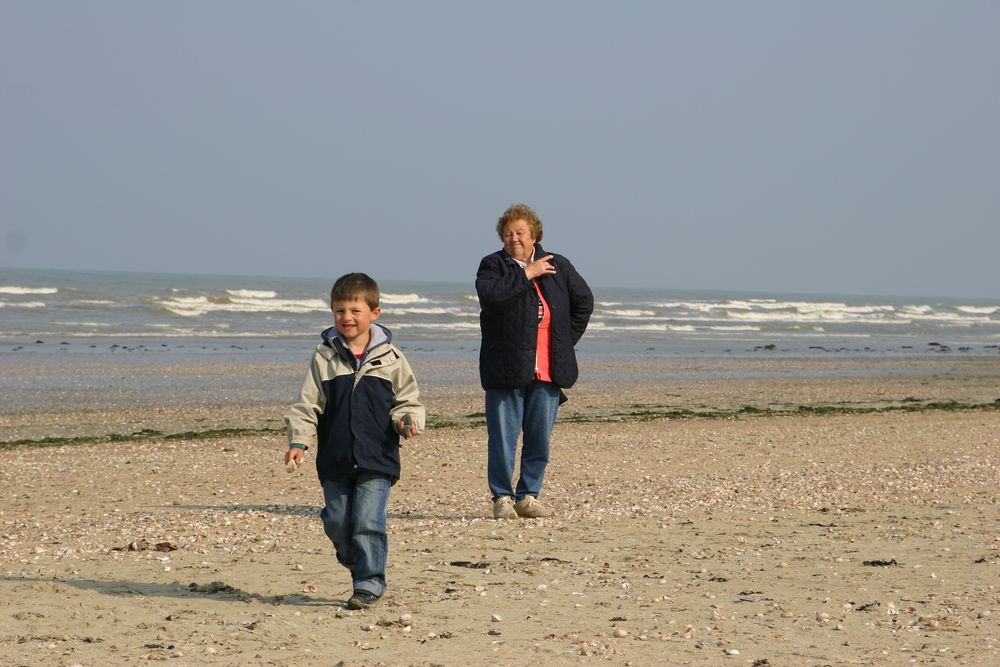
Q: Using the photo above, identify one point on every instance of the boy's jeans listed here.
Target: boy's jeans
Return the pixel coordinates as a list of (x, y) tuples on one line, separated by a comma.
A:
[(354, 519), (530, 409)]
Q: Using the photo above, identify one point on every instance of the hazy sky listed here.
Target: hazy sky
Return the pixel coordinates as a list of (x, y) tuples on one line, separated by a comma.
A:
[(837, 147)]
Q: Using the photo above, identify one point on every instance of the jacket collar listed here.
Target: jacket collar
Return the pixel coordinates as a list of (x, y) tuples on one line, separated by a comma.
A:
[(380, 336), (537, 252)]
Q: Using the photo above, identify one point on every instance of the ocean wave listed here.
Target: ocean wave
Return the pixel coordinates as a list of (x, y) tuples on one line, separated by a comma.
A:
[(196, 306), (824, 306), (604, 327), (402, 298), (22, 304), (251, 294), (14, 289), (978, 310), (952, 318), (627, 313), (458, 312), (771, 305), (86, 325), (448, 326), (813, 316), (177, 332)]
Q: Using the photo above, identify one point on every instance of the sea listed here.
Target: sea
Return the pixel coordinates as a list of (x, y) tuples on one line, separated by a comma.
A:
[(276, 315), (103, 320)]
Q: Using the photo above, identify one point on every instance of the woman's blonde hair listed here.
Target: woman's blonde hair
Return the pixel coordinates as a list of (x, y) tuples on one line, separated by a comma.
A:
[(521, 212)]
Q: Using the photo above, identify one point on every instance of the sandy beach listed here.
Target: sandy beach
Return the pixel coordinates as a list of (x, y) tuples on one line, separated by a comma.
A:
[(783, 518)]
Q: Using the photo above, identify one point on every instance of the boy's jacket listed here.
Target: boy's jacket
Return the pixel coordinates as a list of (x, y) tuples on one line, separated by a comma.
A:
[(347, 412)]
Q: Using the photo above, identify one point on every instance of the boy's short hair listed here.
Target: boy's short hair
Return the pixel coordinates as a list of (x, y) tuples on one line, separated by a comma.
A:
[(521, 212), (356, 286)]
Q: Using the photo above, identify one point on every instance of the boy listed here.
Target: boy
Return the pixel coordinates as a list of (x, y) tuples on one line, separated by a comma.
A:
[(358, 397)]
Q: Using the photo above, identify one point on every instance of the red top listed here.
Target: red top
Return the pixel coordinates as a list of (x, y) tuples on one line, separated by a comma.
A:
[(542, 350)]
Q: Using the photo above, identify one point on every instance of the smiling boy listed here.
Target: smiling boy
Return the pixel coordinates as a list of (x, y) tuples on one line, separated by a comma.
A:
[(358, 397)]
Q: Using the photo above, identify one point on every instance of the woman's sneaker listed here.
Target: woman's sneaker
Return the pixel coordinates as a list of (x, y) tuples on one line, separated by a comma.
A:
[(362, 599), (503, 508), (530, 507)]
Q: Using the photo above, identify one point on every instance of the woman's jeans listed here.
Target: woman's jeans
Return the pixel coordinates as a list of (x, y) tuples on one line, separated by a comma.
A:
[(354, 519), (509, 412)]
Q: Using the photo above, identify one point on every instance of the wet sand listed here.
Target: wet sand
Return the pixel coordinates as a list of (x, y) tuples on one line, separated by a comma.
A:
[(839, 520)]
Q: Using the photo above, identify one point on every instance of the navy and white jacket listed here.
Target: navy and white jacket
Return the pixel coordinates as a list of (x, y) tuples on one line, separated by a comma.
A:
[(509, 320), (347, 407)]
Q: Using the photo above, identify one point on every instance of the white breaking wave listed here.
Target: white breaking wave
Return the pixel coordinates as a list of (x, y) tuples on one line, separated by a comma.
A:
[(451, 326), (979, 310), (770, 305), (251, 294), (91, 325), (196, 306), (459, 312), (954, 318), (175, 332), (627, 313), (26, 304), (403, 298), (828, 307), (13, 289), (641, 327), (814, 316)]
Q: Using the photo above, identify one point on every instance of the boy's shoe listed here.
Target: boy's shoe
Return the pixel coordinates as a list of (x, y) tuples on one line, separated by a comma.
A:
[(503, 508), (530, 507), (362, 599)]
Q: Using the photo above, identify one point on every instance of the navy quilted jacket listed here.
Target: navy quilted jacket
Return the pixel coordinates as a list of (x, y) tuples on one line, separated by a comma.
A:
[(509, 320)]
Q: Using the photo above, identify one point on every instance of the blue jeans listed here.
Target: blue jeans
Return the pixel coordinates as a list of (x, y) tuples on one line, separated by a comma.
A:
[(529, 410), (354, 519)]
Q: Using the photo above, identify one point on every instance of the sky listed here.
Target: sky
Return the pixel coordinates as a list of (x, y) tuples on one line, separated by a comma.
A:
[(820, 147)]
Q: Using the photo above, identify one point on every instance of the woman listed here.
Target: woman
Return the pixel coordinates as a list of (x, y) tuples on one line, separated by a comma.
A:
[(534, 309)]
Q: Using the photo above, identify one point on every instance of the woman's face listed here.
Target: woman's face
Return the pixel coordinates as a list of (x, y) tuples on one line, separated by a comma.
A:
[(518, 241)]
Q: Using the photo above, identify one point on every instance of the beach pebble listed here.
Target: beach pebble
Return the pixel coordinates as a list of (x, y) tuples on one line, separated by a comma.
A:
[(823, 617), (732, 651), (621, 632), (496, 618)]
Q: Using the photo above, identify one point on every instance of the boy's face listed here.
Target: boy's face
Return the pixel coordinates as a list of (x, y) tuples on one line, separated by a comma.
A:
[(353, 317)]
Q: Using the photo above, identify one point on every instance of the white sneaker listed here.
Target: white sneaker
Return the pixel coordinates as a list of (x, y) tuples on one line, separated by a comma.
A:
[(530, 507), (503, 508)]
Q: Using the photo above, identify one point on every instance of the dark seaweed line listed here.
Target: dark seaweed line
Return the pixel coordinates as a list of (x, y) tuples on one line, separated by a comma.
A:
[(652, 414), (474, 421)]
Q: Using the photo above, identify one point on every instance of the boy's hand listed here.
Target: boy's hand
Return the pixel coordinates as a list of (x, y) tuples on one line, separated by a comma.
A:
[(293, 458), (406, 427)]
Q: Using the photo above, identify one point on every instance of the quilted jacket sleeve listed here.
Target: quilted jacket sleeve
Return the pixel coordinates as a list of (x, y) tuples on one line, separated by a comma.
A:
[(302, 417)]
